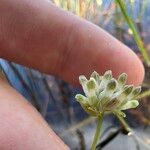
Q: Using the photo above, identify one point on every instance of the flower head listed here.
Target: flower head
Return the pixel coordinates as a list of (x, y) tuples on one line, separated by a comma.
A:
[(105, 94)]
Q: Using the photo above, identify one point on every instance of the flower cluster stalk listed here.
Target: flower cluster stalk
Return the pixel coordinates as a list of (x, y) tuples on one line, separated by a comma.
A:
[(124, 123), (97, 133)]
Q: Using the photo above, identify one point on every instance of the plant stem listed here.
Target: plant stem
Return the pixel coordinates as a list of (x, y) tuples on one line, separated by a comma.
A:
[(134, 31), (144, 94), (97, 133), (130, 132), (124, 123)]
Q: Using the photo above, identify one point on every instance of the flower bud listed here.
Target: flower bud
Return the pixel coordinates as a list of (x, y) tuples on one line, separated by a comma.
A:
[(80, 98), (111, 86), (128, 89), (108, 75), (106, 94), (122, 79), (136, 91), (105, 79), (82, 79), (96, 76), (111, 104), (130, 104), (91, 84), (93, 101)]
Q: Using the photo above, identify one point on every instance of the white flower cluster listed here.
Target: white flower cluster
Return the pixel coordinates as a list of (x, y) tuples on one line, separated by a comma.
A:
[(104, 94)]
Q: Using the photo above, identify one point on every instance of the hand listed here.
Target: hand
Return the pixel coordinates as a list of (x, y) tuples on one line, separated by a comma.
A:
[(37, 34)]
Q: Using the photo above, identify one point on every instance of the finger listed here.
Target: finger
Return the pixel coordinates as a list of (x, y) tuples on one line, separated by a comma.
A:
[(21, 125), (60, 43), (91, 48)]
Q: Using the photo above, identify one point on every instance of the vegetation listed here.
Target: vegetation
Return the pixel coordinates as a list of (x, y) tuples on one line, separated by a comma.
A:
[(104, 94), (109, 12)]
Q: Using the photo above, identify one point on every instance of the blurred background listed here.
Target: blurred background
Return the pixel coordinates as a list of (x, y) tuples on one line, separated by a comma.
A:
[(54, 98)]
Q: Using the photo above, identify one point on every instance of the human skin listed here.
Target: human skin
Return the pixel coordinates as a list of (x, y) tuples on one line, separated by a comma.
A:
[(21, 126), (39, 35)]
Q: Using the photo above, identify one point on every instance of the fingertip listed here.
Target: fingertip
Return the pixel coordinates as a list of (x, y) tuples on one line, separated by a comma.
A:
[(136, 75), (121, 59), (129, 63), (91, 48)]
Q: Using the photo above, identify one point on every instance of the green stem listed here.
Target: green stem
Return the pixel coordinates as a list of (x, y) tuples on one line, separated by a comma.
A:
[(144, 94), (134, 31), (78, 7), (124, 123), (129, 130), (97, 133)]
